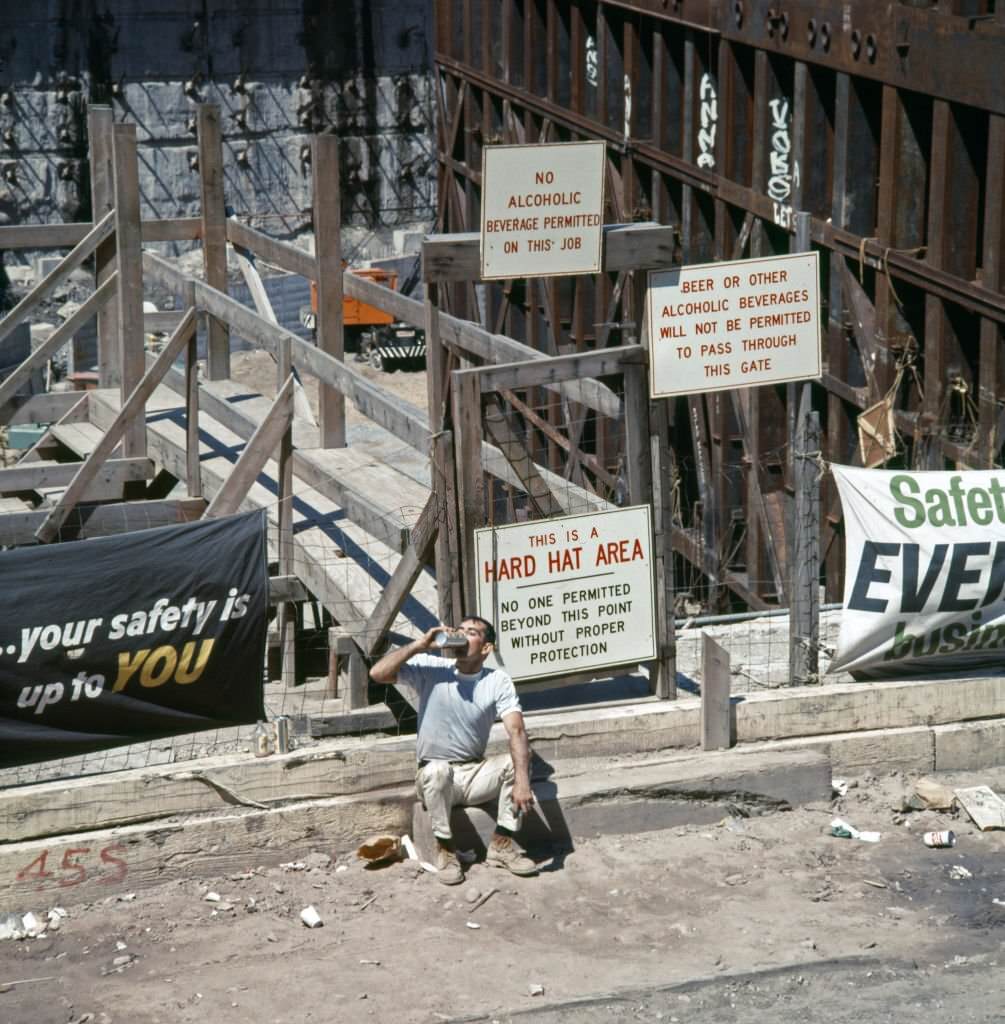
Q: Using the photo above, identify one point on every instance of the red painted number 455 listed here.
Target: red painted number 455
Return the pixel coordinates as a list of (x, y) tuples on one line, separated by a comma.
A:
[(72, 869)]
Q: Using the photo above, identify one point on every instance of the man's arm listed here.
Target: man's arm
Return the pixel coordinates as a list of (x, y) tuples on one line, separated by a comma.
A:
[(519, 751), (385, 670)]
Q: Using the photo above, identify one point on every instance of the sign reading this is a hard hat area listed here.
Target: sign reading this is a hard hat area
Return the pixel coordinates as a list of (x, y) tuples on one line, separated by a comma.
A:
[(569, 594), (542, 210), (734, 325)]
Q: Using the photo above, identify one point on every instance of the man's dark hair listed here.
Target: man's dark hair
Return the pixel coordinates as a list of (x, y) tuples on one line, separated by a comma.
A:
[(490, 630)]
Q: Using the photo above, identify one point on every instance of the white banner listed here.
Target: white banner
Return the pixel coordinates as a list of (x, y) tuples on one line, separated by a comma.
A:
[(924, 571)]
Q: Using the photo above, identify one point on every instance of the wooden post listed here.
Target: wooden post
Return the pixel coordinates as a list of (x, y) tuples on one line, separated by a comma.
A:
[(348, 657), (467, 416), (286, 618), (328, 257), (131, 358), (214, 234), (193, 470), (448, 547), (636, 418), (100, 121), (804, 544), (716, 724), (665, 668)]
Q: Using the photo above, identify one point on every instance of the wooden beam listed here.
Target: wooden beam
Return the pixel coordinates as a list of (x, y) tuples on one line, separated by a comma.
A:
[(171, 229), (260, 448), (18, 528), (467, 421), (130, 268), (328, 254), (58, 274), (100, 121), (286, 588), (504, 433), (131, 407), (556, 369), (716, 714), (455, 257), (270, 250), (214, 231), (34, 476), (65, 236), (59, 337)]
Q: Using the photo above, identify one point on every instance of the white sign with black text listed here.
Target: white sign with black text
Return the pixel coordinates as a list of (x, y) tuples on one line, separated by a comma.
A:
[(570, 594), (734, 325), (542, 210)]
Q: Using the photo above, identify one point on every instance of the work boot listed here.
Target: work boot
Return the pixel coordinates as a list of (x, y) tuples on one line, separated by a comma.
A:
[(448, 867), (504, 853)]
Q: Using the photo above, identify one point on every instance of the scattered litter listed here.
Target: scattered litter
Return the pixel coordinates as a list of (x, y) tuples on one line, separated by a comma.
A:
[(32, 926), (212, 897), (958, 871), (10, 927), (293, 865), (984, 806), (7, 985), (380, 851), (840, 786), (120, 945), (341, 868), (998, 903), (939, 840), (311, 917), (242, 876), (535, 990), (875, 885), (409, 847), (363, 906), (124, 960), (371, 963), (426, 866), (484, 898), (842, 830), (126, 897), (473, 925)]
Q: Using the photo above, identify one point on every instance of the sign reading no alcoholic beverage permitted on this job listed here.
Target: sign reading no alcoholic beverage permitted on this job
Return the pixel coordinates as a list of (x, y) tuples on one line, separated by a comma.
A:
[(542, 210), (571, 594), (734, 325)]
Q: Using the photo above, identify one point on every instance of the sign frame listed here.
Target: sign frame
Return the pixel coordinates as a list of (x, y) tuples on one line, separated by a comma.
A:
[(490, 609), (663, 366), (493, 213)]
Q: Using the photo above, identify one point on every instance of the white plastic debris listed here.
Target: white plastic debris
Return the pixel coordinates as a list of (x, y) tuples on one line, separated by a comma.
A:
[(10, 927), (32, 926), (843, 830), (534, 989), (958, 871), (212, 897), (294, 865), (409, 847), (311, 917), (474, 926), (127, 897), (840, 786)]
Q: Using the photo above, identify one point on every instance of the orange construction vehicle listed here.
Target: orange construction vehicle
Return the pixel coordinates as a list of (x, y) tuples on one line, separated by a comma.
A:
[(373, 335)]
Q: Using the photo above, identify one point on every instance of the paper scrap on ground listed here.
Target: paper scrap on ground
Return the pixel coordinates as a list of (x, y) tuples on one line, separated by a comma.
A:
[(984, 805), (843, 830)]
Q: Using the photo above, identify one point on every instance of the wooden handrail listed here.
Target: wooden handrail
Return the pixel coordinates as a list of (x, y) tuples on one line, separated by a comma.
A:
[(132, 405), (59, 337), (65, 236), (66, 266), (271, 250)]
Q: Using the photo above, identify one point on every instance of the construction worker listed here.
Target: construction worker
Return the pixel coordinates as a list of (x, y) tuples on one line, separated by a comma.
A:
[(459, 699)]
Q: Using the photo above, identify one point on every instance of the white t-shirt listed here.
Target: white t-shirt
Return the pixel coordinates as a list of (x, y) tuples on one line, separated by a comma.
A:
[(456, 711)]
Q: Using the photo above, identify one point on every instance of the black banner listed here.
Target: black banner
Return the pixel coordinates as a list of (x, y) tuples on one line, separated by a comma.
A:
[(125, 638)]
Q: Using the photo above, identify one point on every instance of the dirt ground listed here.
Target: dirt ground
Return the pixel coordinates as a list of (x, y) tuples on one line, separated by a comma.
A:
[(740, 921)]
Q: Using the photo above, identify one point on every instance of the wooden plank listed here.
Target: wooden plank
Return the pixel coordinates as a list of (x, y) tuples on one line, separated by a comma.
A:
[(504, 433), (455, 257), (638, 464), (556, 369), (214, 231), (65, 236), (100, 121), (286, 620), (58, 274), (270, 250), (193, 470), (101, 520), (286, 588), (116, 432), (448, 557), (130, 269), (467, 420), (804, 605), (716, 714), (47, 407), (59, 337), (257, 452), (664, 686), (328, 253), (393, 415), (43, 474), (171, 229), (161, 322)]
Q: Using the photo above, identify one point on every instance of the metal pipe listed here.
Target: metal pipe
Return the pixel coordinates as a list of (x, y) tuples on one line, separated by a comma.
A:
[(718, 620)]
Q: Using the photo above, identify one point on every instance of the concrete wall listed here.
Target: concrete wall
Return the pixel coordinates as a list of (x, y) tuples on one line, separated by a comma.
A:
[(279, 71)]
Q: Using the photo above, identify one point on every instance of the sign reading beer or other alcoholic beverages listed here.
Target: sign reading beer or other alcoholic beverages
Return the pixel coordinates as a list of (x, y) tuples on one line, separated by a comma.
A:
[(118, 639), (734, 325), (571, 594), (542, 210), (924, 572)]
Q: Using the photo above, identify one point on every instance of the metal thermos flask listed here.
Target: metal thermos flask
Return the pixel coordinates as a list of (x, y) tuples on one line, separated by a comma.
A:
[(451, 640)]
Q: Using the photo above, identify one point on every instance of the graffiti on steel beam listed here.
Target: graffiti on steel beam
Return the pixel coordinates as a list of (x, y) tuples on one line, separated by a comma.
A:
[(784, 171), (592, 63), (709, 118)]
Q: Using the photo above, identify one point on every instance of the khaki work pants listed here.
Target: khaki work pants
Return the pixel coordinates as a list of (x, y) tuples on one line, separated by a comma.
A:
[(442, 785)]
